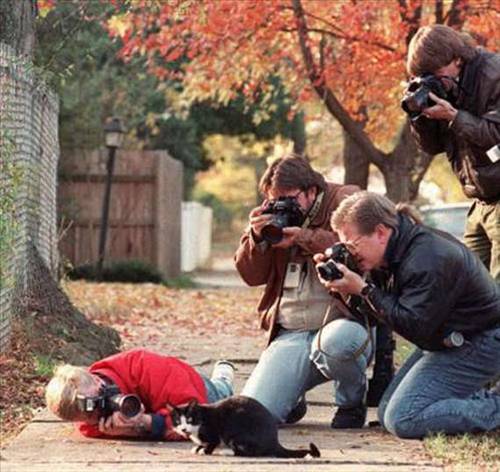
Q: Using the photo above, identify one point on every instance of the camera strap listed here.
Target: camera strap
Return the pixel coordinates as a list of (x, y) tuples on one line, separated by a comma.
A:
[(314, 210), (311, 214), (328, 318)]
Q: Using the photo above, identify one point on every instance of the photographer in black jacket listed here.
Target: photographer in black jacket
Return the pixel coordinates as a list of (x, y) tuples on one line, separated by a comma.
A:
[(465, 123), (434, 292)]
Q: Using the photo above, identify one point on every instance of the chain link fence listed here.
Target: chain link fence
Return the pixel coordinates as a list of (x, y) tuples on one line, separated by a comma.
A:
[(29, 151)]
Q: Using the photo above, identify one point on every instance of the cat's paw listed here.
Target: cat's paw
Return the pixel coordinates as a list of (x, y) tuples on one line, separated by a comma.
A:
[(197, 449)]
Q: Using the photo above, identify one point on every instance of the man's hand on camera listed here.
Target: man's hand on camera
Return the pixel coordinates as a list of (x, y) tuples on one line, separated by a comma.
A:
[(351, 283), (119, 425), (442, 110), (319, 257), (289, 235), (258, 221)]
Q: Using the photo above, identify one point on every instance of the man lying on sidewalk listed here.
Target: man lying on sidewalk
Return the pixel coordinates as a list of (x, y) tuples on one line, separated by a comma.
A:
[(79, 394)]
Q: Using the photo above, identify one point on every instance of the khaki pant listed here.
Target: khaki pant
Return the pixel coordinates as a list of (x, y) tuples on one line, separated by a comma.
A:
[(482, 235)]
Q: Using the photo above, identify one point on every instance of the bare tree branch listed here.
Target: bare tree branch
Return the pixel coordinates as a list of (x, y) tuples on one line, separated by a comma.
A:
[(412, 21), (456, 14), (328, 97), (439, 11)]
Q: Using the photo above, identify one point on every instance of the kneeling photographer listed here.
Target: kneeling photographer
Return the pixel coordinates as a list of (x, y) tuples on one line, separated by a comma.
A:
[(454, 104), (127, 394), (277, 251), (435, 293)]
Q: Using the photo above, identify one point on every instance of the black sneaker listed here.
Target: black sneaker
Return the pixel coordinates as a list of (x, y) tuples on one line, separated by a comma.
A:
[(298, 412), (349, 417)]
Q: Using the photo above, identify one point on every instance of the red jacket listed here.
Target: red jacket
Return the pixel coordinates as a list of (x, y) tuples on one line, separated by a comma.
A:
[(155, 379)]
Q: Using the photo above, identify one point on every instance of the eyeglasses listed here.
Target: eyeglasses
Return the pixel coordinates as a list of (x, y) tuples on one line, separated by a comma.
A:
[(352, 246), (281, 197)]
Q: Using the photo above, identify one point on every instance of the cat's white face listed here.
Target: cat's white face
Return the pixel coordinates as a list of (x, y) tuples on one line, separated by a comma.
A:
[(187, 429)]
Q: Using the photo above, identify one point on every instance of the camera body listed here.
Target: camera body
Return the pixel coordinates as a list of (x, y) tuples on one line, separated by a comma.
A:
[(109, 400), (285, 212), (416, 98), (338, 253)]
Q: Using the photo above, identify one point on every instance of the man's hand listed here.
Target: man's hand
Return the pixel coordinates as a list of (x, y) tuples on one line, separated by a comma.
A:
[(289, 235), (120, 425), (351, 283), (442, 110), (258, 221)]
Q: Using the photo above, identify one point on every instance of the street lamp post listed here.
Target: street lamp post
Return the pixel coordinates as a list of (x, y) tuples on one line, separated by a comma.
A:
[(113, 132)]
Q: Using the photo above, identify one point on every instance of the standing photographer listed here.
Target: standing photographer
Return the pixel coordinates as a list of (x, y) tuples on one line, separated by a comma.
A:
[(434, 292), (276, 251), (153, 380), (465, 123)]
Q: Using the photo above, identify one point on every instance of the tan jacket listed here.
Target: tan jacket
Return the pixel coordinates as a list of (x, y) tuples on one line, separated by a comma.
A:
[(259, 263)]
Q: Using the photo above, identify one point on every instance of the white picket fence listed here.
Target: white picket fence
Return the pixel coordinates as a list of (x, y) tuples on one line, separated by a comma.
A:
[(196, 236)]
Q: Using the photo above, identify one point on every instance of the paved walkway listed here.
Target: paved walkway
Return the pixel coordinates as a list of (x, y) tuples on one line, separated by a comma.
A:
[(50, 445)]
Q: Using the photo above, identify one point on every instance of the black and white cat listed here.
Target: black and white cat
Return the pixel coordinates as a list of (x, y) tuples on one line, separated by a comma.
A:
[(242, 423)]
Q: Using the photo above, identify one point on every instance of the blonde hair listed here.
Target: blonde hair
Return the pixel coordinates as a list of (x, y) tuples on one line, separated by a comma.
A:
[(367, 210), (436, 46), (61, 391)]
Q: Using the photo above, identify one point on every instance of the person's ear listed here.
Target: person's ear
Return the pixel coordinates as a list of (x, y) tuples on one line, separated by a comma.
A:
[(382, 232), (311, 194)]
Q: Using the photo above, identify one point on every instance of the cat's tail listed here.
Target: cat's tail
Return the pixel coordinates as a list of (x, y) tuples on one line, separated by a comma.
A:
[(313, 451)]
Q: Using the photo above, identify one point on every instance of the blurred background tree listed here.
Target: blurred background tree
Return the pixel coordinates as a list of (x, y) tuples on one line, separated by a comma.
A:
[(80, 60), (350, 54), (225, 86)]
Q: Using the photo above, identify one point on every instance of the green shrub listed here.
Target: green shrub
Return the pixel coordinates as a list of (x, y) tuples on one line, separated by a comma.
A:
[(183, 281), (132, 271)]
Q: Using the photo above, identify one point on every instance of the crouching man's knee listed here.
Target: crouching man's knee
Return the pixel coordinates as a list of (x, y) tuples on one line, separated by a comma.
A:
[(337, 348), (399, 424)]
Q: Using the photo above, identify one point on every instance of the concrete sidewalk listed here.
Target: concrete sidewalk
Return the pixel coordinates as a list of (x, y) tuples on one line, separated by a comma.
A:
[(221, 274), (49, 445)]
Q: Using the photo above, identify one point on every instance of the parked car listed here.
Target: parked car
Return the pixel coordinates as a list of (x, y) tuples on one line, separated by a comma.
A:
[(449, 217)]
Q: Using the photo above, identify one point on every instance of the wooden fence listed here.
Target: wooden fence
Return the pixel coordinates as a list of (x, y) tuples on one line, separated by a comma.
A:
[(144, 214)]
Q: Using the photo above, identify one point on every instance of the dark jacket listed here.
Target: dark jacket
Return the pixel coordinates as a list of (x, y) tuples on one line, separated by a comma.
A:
[(434, 285), (474, 131), (259, 263)]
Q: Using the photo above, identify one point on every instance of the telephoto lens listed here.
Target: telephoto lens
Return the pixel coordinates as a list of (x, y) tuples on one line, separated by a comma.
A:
[(127, 405)]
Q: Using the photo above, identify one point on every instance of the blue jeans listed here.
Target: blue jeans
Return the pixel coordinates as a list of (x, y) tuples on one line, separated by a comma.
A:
[(217, 389), (294, 363), (442, 391)]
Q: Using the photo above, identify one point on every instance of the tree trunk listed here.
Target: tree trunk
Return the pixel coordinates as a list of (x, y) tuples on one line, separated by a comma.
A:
[(405, 167), (17, 18), (356, 164), (298, 134)]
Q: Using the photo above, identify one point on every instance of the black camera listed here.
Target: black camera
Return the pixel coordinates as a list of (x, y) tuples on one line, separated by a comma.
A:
[(110, 400), (286, 212), (416, 98), (338, 253)]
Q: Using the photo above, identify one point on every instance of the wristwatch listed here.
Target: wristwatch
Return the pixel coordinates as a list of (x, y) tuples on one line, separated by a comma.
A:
[(366, 290)]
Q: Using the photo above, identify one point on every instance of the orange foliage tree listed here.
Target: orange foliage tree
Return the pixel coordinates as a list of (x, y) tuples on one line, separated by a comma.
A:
[(348, 53)]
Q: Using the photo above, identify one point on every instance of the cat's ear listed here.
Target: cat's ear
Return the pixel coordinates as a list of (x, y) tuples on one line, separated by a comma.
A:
[(192, 404)]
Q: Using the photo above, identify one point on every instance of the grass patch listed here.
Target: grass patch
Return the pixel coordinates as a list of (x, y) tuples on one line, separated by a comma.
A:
[(44, 366), (403, 349), (183, 281), (466, 451)]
